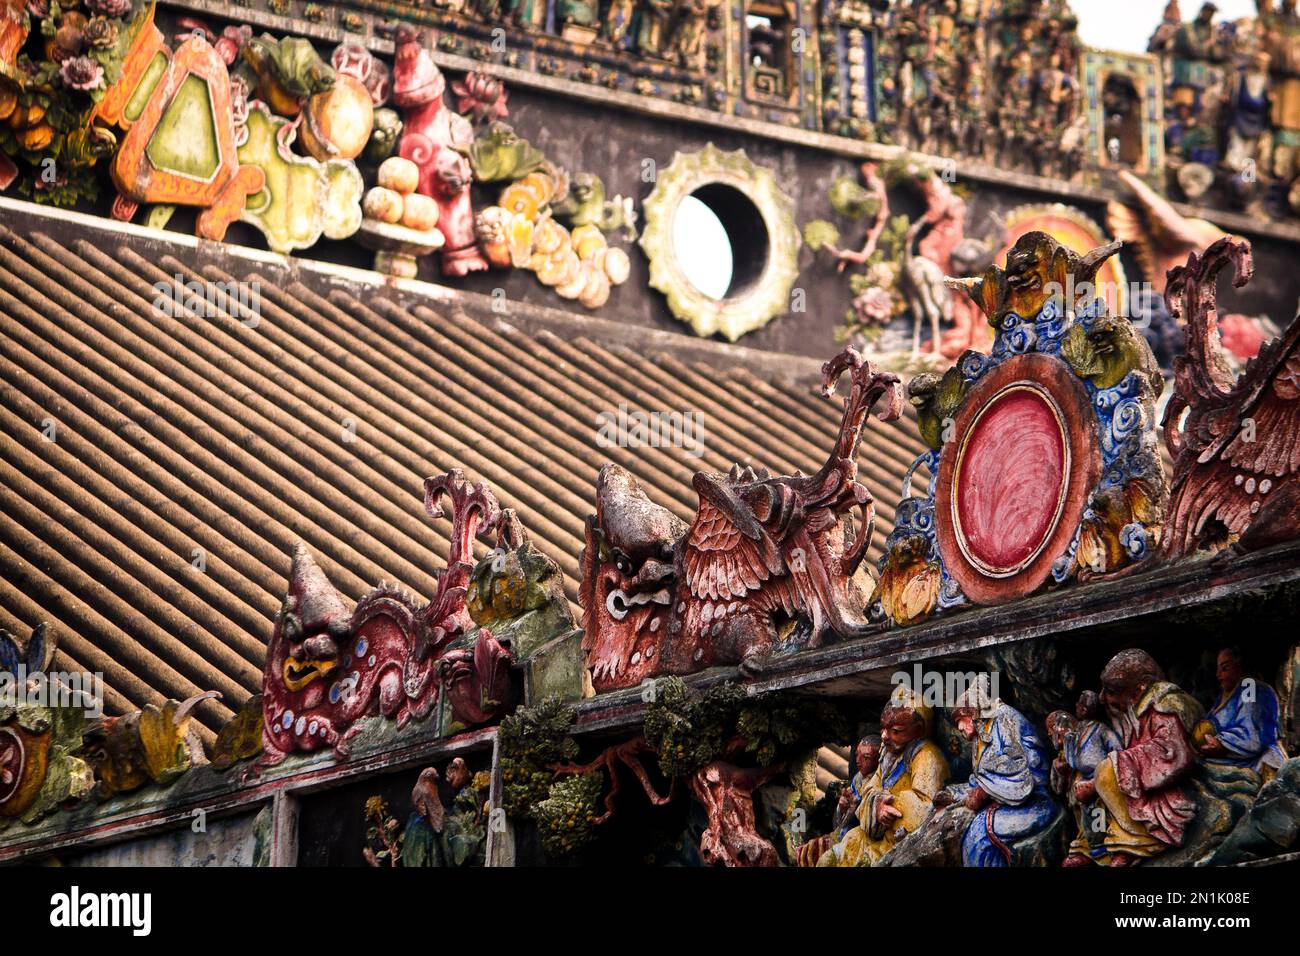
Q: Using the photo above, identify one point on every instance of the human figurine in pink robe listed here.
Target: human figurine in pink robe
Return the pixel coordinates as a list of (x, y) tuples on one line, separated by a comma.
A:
[(431, 134), (1143, 784)]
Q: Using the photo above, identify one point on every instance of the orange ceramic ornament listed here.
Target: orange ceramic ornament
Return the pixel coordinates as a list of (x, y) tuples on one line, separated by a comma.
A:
[(143, 66), (181, 150)]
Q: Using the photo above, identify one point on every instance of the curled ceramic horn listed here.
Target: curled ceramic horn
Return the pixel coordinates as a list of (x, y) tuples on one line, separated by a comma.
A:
[(187, 706), (1090, 263)]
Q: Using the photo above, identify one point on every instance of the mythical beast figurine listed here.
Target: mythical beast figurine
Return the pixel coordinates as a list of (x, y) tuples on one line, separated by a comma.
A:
[(328, 666), (1237, 456), (765, 564)]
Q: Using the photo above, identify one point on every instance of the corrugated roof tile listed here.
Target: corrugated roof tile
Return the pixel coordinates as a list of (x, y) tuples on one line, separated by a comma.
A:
[(181, 434)]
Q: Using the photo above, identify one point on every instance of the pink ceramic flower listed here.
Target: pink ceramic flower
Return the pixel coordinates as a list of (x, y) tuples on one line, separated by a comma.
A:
[(109, 8), (81, 73), (101, 32), (481, 95), (874, 306)]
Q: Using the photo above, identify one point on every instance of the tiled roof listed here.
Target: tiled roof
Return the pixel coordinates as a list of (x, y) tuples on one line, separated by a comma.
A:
[(181, 440)]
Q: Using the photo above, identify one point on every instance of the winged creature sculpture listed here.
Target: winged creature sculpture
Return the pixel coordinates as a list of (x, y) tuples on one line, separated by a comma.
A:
[(766, 563), (1162, 236), (1237, 455)]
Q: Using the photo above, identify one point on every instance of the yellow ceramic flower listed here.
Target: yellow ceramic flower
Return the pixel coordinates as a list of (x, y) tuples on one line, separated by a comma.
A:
[(541, 184), (617, 265), (523, 199), (587, 241), (595, 291), (519, 233), (550, 237), (574, 281)]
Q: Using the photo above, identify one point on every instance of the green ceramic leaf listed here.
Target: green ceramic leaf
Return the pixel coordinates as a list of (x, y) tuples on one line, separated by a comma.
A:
[(819, 234)]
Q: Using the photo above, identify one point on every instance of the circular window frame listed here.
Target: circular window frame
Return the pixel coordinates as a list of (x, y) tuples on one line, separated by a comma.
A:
[(759, 300)]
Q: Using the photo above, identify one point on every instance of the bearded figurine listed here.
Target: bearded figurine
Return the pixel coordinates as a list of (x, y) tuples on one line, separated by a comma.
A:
[(1143, 785), (434, 138), (899, 796), (1008, 787)]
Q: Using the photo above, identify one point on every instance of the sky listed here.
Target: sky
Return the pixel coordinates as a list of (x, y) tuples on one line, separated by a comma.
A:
[(1128, 24)]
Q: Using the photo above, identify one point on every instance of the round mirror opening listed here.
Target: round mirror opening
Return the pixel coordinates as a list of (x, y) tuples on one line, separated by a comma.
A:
[(720, 241)]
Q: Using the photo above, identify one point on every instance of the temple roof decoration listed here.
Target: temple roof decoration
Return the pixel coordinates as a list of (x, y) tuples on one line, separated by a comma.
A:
[(1043, 462), (1208, 115), (329, 665), (767, 257), (41, 732), (161, 471), (360, 464), (1237, 454), (766, 565)]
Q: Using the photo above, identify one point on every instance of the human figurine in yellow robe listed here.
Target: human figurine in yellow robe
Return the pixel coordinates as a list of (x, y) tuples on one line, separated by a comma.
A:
[(899, 796)]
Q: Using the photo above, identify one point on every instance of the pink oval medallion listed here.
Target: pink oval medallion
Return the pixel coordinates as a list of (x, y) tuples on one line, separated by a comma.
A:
[(1010, 481)]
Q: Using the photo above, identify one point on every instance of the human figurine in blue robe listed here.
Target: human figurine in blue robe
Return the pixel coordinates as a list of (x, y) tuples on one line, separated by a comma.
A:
[(1008, 787), (1242, 730), (1083, 740), (866, 759)]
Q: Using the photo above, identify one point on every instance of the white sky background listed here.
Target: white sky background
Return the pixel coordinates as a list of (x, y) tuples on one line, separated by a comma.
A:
[(1128, 24)]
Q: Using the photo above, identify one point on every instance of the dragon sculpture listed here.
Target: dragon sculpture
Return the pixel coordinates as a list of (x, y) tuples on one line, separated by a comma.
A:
[(766, 562), (1237, 455), (327, 667)]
